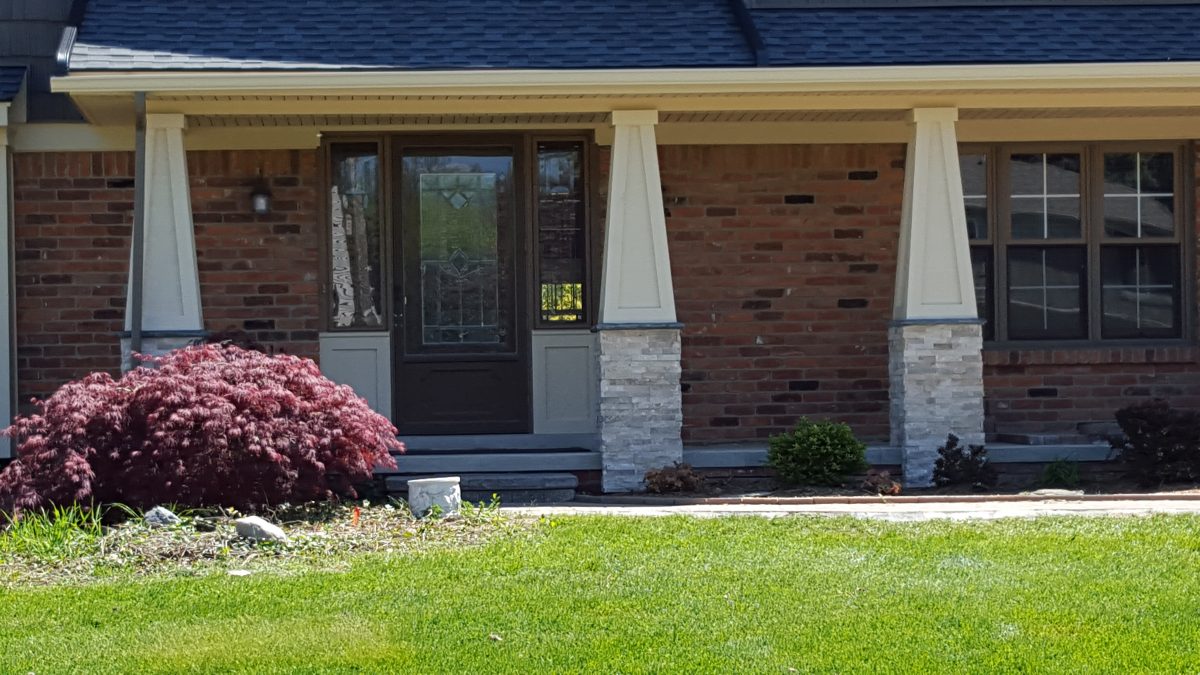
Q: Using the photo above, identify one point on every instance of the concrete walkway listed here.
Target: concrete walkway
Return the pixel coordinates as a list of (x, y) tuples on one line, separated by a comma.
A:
[(895, 512)]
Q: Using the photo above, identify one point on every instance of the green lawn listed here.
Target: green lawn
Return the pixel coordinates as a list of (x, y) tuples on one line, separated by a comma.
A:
[(608, 594)]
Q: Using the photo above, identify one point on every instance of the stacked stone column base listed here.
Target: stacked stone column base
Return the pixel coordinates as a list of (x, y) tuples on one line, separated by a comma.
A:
[(936, 373), (157, 345), (641, 408)]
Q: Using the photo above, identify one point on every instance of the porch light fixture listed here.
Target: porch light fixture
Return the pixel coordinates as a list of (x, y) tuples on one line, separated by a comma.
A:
[(260, 197)]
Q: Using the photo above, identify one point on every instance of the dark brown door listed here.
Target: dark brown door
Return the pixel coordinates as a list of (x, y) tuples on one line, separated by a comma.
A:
[(461, 340)]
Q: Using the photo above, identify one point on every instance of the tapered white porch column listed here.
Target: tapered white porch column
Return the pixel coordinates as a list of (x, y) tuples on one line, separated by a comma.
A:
[(935, 339), (170, 297), (8, 370), (641, 410)]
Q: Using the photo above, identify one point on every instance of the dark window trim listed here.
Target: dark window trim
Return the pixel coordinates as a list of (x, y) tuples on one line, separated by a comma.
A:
[(387, 143), (1091, 204)]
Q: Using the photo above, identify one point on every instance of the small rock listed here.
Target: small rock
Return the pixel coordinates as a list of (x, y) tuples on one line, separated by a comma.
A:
[(1054, 492), (257, 529), (239, 573), (160, 517)]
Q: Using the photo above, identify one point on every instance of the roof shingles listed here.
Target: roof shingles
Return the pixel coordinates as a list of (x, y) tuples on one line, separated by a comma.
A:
[(11, 78), (597, 34), (1065, 33), (415, 34)]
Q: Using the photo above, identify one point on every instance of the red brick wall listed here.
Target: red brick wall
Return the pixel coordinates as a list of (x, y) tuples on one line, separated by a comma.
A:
[(71, 262), (258, 273), (1054, 391), (1044, 391), (72, 226), (784, 262)]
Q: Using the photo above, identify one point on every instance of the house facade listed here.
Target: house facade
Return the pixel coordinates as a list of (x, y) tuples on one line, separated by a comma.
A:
[(608, 236)]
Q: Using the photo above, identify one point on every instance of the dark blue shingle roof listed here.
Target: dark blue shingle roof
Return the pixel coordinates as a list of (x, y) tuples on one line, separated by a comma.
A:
[(411, 34), (11, 78), (965, 35), (596, 34)]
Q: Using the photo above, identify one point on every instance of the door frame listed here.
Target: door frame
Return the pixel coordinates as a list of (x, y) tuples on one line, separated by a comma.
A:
[(524, 144)]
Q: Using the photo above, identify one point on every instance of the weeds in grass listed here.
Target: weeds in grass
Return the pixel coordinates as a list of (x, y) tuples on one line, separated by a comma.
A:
[(52, 534), (75, 546)]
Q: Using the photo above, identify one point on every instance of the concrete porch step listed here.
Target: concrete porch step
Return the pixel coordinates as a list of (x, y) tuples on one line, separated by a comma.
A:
[(492, 461), (511, 488)]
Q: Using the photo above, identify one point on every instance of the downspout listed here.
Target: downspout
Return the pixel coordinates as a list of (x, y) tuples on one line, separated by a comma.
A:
[(754, 40), (137, 254)]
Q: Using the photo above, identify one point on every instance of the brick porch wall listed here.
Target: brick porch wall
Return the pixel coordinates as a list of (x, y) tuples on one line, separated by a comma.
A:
[(784, 263), (1054, 391), (258, 274), (72, 225)]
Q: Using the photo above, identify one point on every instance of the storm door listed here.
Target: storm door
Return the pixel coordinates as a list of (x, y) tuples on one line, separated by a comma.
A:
[(461, 342)]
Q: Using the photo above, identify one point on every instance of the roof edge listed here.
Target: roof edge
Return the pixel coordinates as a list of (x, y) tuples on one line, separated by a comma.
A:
[(656, 80), (894, 4)]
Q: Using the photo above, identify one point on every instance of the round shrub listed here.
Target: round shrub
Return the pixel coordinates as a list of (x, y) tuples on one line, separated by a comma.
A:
[(211, 425), (817, 453)]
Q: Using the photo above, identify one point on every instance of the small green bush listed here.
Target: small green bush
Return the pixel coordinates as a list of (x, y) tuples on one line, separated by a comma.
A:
[(817, 453), (1060, 474)]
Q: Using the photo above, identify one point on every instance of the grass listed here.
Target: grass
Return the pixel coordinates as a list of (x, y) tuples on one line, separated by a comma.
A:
[(610, 594)]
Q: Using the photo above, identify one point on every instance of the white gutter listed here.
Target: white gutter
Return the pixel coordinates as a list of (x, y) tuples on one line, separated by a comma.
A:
[(648, 81)]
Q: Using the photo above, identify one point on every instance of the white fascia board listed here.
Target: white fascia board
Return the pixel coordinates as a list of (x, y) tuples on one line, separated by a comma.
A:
[(660, 81)]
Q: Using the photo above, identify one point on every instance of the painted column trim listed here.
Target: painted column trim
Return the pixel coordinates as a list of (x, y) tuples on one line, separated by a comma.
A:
[(171, 292), (8, 369), (636, 284), (933, 268)]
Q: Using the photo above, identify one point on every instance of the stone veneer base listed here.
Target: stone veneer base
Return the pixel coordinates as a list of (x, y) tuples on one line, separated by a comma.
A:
[(641, 407), (936, 372)]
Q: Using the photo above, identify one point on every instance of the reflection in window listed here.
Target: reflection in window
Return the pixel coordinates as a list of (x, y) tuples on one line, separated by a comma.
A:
[(1139, 194), (1140, 288), (1046, 297), (974, 182), (562, 242), (981, 269), (354, 213), (1045, 196)]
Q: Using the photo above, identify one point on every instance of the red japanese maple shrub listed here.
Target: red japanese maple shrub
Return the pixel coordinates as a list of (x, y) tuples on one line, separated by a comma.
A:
[(205, 425)]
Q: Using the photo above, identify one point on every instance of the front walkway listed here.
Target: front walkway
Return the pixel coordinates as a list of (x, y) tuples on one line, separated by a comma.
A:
[(894, 512)]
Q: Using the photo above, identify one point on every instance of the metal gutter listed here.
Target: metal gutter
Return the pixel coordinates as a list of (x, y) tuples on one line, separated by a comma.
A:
[(66, 43), (989, 77)]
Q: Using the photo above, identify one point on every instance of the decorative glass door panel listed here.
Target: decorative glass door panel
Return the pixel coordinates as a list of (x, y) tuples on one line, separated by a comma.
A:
[(461, 359), (460, 263), (464, 256)]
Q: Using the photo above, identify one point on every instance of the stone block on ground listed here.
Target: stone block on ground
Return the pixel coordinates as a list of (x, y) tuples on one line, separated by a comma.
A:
[(257, 529), (426, 493)]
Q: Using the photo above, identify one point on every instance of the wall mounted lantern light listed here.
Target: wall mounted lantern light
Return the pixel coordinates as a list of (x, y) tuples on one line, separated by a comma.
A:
[(260, 197)]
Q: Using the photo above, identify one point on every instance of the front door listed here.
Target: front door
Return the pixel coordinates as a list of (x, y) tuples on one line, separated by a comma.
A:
[(461, 340)]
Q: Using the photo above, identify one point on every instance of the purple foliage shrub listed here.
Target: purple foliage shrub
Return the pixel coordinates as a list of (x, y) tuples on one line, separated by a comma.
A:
[(212, 425)]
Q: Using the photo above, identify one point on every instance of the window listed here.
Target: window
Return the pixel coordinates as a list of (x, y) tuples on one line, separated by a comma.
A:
[(561, 217), (1076, 242), (355, 221)]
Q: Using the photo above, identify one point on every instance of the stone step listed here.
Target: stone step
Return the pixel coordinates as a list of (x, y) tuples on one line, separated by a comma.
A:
[(511, 488)]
